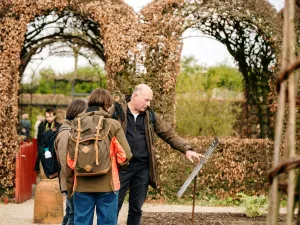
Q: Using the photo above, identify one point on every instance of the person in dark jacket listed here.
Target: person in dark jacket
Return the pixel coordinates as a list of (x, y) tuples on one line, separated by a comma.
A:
[(140, 123), (49, 124), (25, 126)]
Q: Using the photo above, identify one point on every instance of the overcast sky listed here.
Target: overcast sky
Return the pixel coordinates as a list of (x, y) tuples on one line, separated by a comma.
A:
[(208, 52)]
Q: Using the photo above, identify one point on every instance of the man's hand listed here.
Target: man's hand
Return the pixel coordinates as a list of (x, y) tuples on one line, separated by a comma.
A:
[(190, 155)]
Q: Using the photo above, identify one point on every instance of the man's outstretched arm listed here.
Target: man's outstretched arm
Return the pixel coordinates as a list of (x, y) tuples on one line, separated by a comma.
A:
[(168, 134)]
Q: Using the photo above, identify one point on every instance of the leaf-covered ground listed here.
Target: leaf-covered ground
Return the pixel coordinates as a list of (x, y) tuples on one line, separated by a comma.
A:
[(202, 219)]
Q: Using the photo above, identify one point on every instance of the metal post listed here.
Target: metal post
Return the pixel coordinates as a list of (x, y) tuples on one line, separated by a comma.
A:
[(194, 200)]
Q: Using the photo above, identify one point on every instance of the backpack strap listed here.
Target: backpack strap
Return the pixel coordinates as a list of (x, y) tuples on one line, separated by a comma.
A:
[(98, 128), (77, 141), (62, 128)]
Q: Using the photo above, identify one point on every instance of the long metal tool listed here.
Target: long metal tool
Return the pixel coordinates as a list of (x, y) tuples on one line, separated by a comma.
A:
[(196, 170)]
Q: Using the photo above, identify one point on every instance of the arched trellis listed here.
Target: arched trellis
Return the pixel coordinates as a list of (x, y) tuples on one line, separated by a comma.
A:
[(144, 47), (163, 25), (117, 23), (251, 31), (66, 26)]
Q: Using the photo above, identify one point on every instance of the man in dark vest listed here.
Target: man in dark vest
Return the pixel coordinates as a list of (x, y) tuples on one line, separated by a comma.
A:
[(140, 123)]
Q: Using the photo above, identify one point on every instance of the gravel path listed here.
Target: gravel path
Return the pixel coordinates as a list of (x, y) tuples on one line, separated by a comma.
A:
[(22, 214)]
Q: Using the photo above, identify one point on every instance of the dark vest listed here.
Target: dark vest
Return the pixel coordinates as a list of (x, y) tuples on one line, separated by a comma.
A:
[(136, 137)]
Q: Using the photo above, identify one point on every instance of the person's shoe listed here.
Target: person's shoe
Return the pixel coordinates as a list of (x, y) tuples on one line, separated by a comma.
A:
[(65, 220), (70, 221)]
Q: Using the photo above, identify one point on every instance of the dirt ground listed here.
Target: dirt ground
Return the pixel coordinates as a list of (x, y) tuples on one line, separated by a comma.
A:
[(203, 219)]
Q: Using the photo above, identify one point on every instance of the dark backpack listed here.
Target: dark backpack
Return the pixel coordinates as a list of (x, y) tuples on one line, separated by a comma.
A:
[(119, 114), (48, 156), (89, 144)]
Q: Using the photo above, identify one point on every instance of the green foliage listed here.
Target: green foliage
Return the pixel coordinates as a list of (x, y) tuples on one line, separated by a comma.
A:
[(197, 112), (190, 76), (198, 116), (223, 76), (195, 78), (44, 83), (254, 205)]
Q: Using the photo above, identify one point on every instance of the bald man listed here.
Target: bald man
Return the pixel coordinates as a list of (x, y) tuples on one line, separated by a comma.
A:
[(139, 123)]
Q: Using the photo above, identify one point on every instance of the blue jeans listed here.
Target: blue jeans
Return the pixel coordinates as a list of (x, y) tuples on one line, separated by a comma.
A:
[(106, 208)]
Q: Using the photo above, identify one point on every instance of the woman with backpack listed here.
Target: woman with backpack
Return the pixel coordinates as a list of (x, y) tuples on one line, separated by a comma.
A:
[(61, 143), (97, 147)]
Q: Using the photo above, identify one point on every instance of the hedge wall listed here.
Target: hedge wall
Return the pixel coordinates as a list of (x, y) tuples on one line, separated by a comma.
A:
[(237, 165)]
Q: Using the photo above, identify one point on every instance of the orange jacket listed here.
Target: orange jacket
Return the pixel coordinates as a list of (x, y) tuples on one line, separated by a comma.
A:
[(118, 156)]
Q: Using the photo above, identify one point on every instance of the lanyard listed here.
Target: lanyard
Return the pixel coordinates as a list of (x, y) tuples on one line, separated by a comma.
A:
[(47, 126)]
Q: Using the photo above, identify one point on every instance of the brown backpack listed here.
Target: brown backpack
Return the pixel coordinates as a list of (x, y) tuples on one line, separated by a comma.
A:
[(89, 144)]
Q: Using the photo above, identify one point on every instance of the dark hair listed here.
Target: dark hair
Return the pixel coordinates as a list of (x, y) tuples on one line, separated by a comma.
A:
[(50, 110), (75, 107), (102, 98)]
